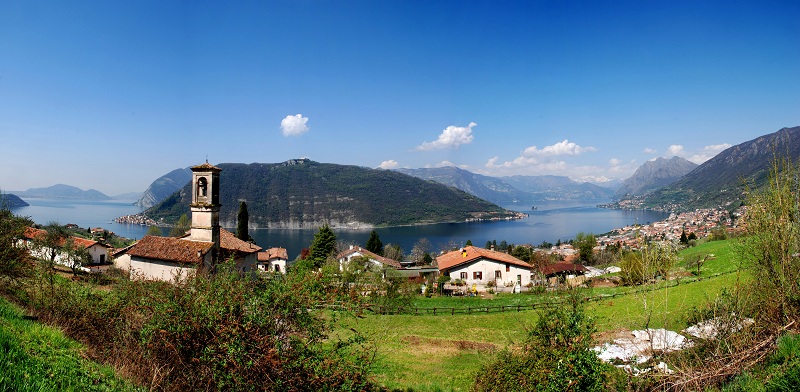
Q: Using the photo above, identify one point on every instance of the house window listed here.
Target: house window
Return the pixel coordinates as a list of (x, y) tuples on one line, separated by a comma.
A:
[(498, 274), (277, 268), (508, 267), (463, 276), (477, 275)]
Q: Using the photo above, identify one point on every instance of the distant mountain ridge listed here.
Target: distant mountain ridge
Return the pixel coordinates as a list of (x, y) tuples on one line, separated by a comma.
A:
[(721, 180), (301, 193), (164, 186), (61, 191), (653, 175), (515, 189)]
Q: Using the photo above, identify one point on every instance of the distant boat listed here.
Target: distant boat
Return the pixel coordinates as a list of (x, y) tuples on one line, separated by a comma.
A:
[(533, 208)]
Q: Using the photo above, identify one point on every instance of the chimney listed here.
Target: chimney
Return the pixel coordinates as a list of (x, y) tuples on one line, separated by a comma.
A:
[(492, 248)]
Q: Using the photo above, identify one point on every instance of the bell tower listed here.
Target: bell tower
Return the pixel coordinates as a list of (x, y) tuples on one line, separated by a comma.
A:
[(205, 205)]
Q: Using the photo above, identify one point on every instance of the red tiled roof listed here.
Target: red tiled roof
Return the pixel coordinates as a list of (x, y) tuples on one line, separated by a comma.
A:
[(558, 268), (32, 233), (469, 254), (381, 259), (273, 253), (205, 166), (228, 241), (170, 249)]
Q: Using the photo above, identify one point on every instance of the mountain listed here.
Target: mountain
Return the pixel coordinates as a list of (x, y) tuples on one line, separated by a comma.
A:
[(515, 189), (61, 191), (488, 188), (127, 196), (558, 188), (653, 175), (164, 186), (11, 201), (305, 194), (721, 180)]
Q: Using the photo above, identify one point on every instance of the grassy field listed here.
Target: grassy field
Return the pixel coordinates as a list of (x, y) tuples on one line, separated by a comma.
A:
[(444, 353), (35, 357)]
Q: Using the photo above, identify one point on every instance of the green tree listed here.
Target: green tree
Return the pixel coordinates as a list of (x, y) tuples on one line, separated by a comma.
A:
[(488, 245), (585, 244), (322, 246), (51, 242), (242, 223), (469, 243), (374, 243), (421, 249), (181, 227), (684, 238), (154, 231), (13, 257)]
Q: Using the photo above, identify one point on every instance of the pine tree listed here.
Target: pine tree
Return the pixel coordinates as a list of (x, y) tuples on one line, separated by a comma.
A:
[(242, 222), (374, 243), (323, 245)]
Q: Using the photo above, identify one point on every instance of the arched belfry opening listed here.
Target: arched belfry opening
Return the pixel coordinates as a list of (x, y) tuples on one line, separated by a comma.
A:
[(202, 189)]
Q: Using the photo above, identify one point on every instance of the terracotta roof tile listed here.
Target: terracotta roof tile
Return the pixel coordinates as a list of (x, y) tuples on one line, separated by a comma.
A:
[(206, 166), (469, 254), (273, 253), (381, 259), (228, 241), (32, 233), (557, 268), (170, 249)]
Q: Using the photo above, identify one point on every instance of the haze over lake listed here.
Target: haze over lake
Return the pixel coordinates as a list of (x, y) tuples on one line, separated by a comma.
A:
[(551, 221)]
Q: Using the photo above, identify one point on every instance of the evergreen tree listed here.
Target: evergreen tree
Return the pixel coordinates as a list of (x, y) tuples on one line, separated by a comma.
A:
[(323, 245), (684, 239), (242, 222), (154, 231), (488, 245), (374, 243), (469, 243)]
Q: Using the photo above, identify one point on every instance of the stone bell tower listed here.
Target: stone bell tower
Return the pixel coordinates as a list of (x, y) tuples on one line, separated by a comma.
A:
[(205, 205)]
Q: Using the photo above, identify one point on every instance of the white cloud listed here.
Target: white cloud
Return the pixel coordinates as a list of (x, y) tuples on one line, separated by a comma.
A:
[(390, 164), (675, 150), (564, 147), (451, 137), (294, 125), (535, 161), (708, 152), (614, 162), (648, 150)]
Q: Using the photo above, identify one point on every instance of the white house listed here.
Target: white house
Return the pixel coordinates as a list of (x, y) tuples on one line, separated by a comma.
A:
[(357, 251), (478, 266), (164, 258), (97, 250), (273, 259)]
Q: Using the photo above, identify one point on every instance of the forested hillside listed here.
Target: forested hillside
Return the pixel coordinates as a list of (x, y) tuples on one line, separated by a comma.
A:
[(304, 194)]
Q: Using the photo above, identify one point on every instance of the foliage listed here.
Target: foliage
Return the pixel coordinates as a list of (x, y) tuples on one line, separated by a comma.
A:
[(374, 243), (654, 259), (154, 231), (393, 251), (13, 258), (557, 356), (243, 223), (181, 227), (323, 245), (75, 256), (421, 249), (771, 243), (585, 244)]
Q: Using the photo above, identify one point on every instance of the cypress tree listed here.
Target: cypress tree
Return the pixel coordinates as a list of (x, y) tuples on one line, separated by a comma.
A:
[(323, 245), (243, 220), (374, 244)]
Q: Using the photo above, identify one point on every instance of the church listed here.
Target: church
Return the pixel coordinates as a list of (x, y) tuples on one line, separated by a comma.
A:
[(203, 247)]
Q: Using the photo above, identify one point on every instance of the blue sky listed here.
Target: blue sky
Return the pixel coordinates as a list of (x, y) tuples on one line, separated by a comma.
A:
[(111, 95)]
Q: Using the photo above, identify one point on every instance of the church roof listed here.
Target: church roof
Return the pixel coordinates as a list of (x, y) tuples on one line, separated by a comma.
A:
[(229, 241), (170, 249), (205, 166)]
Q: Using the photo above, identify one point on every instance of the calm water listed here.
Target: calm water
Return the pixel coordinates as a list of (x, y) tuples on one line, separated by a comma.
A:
[(551, 221)]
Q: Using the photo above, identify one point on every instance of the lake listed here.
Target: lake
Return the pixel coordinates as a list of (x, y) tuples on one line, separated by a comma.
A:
[(551, 221)]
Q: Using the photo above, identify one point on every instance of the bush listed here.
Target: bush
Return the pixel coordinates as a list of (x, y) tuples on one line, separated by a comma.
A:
[(557, 356)]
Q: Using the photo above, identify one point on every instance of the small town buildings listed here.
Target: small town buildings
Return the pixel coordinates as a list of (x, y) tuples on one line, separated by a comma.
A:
[(357, 251), (98, 251), (478, 266), (206, 244), (273, 259)]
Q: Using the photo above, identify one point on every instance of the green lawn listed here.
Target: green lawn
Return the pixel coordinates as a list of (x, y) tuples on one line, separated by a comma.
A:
[(444, 353), (36, 357)]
